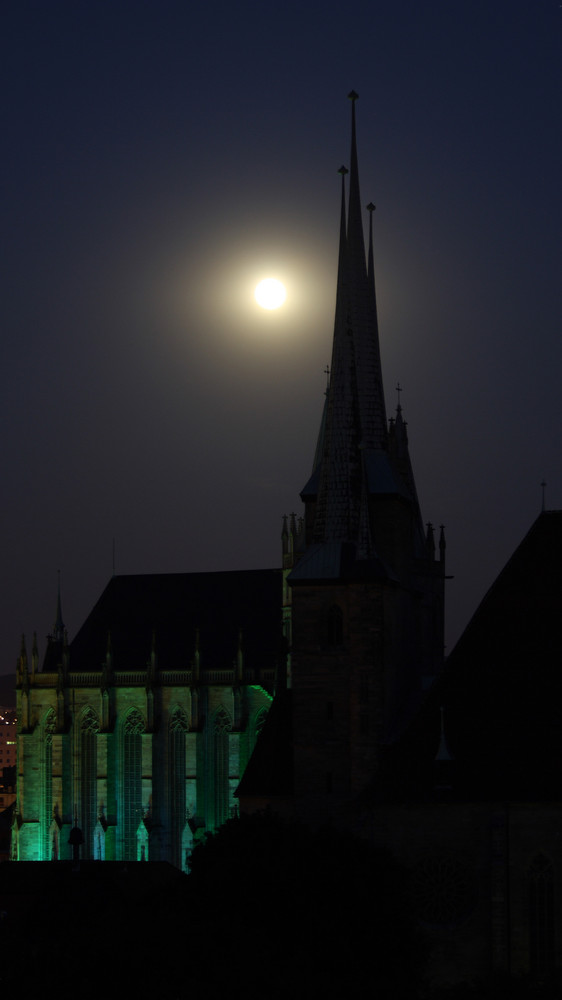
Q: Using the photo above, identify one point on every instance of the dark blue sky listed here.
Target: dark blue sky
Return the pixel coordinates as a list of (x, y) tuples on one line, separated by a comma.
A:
[(158, 159)]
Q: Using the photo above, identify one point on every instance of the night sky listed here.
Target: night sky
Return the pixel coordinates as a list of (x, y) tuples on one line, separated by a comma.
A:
[(161, 157)]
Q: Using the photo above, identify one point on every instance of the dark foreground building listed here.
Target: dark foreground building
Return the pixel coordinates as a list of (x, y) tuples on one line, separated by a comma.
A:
[(140, 731)]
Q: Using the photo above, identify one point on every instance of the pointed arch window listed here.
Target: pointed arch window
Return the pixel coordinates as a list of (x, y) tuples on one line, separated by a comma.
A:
[(335, 626), (89, 729), (541, 917), (99, 841), (133, 728), (177, 777), (48, 848), (222, 727)]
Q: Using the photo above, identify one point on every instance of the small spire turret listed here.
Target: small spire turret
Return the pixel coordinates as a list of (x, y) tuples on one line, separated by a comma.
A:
[(107, 667), (196, 662), (285, 536), (152, 665), (34, 656), (239, 659), (442, 545), (22, 673), (65, 653), (59, 627), (430, 541)]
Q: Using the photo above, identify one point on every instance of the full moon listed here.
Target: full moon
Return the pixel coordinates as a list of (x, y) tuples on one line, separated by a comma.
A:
[(270, 293)]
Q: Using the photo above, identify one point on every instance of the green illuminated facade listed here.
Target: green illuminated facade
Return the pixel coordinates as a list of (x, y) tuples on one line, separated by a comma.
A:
[(142, 746)]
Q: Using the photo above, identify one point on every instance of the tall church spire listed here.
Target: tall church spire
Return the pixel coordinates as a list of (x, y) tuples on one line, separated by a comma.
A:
[(354, 429), (362, 314), (363, 598)]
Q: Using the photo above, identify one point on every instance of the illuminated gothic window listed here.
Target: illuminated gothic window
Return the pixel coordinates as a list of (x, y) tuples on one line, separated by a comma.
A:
[(133, 728), (541, 916), (335, 626), (89, 728), (99, 841), (54, 839), (46, 751), (222, 727), (176, 777)]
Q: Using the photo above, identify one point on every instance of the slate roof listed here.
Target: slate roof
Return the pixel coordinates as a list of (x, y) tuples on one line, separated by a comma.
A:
[(336, 561), (174, 606)]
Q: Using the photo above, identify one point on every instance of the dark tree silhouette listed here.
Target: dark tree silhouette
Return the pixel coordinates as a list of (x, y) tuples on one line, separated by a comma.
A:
[(317, 910)]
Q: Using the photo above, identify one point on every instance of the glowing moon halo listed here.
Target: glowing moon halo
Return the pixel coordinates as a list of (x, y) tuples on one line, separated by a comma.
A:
[(270, 293)]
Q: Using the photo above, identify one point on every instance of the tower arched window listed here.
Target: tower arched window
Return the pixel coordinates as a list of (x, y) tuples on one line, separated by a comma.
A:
[(133, 728), (176, 778), (87, 815), (335, 625)]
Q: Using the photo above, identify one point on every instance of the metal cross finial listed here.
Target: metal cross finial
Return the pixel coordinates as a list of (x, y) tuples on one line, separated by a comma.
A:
[(398, 390), (543, 488), (327, 374)]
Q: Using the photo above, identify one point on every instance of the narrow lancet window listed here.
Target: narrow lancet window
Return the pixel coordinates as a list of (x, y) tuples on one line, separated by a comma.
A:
[(335, 626)]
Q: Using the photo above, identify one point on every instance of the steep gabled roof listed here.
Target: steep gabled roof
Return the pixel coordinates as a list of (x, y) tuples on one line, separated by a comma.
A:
[(177, 608), (501, 689), (503, 680)]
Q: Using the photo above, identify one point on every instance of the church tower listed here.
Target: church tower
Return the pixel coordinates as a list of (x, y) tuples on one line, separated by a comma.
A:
[(366, 588)]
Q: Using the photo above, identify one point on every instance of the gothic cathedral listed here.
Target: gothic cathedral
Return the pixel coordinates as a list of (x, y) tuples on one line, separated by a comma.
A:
[(318, 689), (134, 737)]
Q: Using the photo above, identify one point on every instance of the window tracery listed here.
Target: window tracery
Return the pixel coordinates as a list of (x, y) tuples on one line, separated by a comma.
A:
[(177, 729), (221, 729), (89, 729), (133, 728)]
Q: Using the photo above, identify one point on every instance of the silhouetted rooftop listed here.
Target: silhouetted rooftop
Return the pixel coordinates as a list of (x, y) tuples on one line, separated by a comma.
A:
[(501, 689), (270, 768), (176, 607)]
